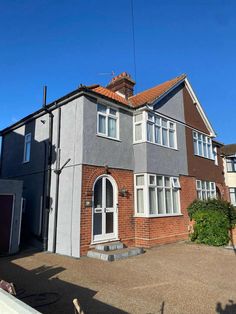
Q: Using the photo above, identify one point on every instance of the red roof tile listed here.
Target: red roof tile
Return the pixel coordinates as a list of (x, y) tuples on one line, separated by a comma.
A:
[(149, 95), (108, 93)]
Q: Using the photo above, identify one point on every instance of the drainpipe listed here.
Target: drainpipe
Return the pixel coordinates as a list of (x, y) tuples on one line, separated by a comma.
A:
[(47, 202)]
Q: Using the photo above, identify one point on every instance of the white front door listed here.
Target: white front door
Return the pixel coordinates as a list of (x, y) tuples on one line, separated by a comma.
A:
[(105, 209)]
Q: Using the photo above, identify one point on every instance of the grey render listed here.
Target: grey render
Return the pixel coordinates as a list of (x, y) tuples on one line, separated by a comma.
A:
[(80, 143), (14, 187)]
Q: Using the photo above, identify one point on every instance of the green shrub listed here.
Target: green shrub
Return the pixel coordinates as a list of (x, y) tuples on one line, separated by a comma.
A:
[(211, 227), (216, 205)]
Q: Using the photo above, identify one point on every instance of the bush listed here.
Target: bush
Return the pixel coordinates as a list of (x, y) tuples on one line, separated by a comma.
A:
[(211, 227), (216, 205)]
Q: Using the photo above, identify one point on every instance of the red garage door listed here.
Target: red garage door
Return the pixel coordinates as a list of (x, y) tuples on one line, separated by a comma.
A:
[(6, 207)]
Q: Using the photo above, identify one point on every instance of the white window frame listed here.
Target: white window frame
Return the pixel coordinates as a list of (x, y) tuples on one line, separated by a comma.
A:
[(142, 123), (151, 119), (27, 142), (174, 186), (215, 155), (232, 162), (232, 190), (202, 140), (207, 188), (108, 115)]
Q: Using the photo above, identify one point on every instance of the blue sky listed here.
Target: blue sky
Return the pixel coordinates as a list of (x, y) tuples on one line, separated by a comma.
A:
[(65, 43)]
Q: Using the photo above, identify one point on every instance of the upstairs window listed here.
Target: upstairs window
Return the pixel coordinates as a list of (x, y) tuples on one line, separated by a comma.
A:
[(27, 148), (205, 190), (138, 127), (231, 164), (202, 145), (161, 131), (107, 121)]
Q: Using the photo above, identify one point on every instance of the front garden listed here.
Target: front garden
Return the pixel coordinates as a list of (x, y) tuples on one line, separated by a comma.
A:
[(214, 221)]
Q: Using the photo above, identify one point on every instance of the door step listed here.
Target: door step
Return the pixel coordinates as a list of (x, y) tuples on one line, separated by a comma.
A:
[(113, 251)]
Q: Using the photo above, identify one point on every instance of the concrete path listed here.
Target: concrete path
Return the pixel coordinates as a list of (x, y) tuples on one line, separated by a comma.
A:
[(176, 278)]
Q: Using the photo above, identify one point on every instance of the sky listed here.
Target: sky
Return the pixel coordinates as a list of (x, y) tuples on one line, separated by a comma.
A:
[(63, 44)]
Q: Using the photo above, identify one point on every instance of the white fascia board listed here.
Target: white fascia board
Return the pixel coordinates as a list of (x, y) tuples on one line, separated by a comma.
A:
[(199, 108)]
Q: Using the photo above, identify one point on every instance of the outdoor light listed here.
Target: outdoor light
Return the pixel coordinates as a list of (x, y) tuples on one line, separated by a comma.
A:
[(123, 192)]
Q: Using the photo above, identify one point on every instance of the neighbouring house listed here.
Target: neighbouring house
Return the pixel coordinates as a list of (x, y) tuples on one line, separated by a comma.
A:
[(229, 157), (10, 215), (101, 164)]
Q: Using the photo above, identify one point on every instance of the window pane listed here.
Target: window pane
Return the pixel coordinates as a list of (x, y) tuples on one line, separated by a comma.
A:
[(140, 203), (158, 120), (164, 137), (102, 124), (138, 132), (150, 117), (150, 132), (199, 184), (171, 125), (27, 151), (157, 135), (200, 151), (160, 201), (109, 194), (140, 180), (175, 201), (168, 201), (205, 152), (229, 164), (232, 196), (195, 144), (152, 179), (199, 195), (98, 194), (172, 139), (159, 181), (112, 127), (152, 201), (164, 123), (102, 108), (167, 181)]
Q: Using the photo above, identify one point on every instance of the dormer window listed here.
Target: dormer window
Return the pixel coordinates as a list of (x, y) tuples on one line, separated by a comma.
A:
[(107, 121)]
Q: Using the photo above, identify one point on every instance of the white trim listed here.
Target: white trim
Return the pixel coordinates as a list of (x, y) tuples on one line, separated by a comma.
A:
[(108, 115), (200, 109), (26, 141), (115, 210)]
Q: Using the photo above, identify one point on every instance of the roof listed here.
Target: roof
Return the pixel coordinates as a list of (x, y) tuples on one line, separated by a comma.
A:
[(108, 93), (150, 95), (228, 150)]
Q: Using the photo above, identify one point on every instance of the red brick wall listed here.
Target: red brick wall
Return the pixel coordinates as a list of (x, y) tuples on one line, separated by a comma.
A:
[(124, 179), (153, 231)]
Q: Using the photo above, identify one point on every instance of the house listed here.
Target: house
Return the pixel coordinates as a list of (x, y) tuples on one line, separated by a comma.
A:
[(229, 158), (101, 164)]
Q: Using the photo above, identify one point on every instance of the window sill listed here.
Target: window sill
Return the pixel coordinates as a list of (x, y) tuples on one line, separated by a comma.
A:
[(109, 138), (158, 216), (25, 162), (205, 158), (156, 144)]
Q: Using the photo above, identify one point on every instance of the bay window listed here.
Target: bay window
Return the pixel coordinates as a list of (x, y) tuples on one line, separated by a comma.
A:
[(205, 189), (155, 129), (157, 195), (107, 121), (202, 145)]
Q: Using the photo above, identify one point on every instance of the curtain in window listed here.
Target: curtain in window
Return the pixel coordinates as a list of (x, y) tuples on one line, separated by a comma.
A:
[(111, 127)]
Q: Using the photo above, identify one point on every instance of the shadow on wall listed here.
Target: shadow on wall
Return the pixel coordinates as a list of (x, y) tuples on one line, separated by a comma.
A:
[(33, 173), (230, 308), (48, 295)]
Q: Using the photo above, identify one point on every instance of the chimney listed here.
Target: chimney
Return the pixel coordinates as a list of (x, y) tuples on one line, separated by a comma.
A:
[(122, 84)]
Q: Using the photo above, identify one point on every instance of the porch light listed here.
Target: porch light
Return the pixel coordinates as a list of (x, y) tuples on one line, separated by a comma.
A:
[(123, 192)]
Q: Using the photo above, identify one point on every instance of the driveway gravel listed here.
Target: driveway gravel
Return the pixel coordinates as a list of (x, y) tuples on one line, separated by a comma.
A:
[(175, 278)]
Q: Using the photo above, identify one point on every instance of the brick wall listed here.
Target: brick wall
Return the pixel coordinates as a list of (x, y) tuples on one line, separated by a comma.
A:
[(124, 179), (153, 231)]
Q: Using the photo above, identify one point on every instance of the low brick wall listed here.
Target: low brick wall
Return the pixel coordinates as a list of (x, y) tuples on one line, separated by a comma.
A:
[(233, 236)]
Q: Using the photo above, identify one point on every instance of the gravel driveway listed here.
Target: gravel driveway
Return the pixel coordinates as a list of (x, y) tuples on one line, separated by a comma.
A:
[(175, 278)]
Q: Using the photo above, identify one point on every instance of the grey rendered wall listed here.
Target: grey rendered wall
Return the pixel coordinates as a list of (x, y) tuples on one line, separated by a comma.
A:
[(69, 203), (102, 151), (31, 173), (152, 158), (15, 188)]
